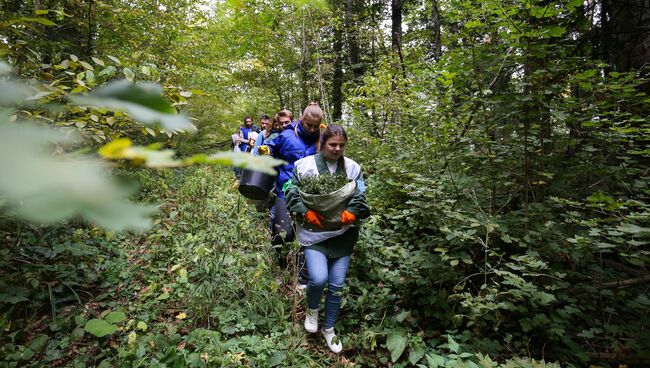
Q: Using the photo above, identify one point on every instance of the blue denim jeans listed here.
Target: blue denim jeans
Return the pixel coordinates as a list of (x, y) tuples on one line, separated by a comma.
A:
[(323, 271)]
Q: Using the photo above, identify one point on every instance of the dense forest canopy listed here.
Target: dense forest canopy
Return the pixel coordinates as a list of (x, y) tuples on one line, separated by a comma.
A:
[(506, 148)]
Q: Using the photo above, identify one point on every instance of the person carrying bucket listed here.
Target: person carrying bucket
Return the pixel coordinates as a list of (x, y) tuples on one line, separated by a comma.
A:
[(327, 226), (299, 139)]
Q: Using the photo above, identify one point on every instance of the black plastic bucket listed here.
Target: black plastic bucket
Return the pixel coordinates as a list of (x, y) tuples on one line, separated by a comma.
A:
[(255, 184)]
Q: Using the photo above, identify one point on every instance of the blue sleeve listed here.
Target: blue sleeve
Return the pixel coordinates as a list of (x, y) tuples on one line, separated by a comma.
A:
[(274, 145), (258, 143)]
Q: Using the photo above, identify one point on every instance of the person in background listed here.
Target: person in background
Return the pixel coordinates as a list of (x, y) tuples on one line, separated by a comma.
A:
[(273, 128), (327, 252), (265, 120), (245, 129), (299, 139), (236, 147)]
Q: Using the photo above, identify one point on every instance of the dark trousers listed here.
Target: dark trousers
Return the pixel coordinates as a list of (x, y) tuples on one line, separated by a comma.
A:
[(281, 227), (282, 233)]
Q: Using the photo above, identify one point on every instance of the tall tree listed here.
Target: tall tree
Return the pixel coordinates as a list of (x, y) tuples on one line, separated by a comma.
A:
[(337, 76), (396, 30), (352, 30), (434, 26)]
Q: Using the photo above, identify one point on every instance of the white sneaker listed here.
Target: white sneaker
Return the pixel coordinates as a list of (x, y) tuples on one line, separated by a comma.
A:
[(311, 320), (330, 337)]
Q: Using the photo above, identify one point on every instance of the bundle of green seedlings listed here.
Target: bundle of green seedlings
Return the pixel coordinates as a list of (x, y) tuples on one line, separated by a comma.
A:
[(322, 184)]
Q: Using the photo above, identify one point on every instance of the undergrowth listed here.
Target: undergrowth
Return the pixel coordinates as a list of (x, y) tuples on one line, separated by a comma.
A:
[(202, 288)]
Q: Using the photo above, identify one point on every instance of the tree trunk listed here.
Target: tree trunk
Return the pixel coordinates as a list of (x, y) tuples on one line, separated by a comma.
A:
[(337, 77), (435, 28), (396, 27), (353, 39), (89, 40), (304, 66), (396, 48)]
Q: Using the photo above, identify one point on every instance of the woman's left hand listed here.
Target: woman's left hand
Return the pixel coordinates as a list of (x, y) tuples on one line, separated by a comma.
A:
[(348, 217)]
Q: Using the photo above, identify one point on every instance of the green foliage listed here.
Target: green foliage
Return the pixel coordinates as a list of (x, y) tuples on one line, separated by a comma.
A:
[(322, 184), (505, 147)]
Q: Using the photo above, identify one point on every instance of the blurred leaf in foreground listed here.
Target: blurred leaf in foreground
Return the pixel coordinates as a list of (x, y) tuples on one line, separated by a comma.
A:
[(46, 188), (264, 164), (11, 93), (143, 101), (123, 148)]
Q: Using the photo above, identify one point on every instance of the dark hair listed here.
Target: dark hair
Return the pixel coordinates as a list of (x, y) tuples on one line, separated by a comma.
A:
[(329, 132), (264, 116), (248, 117)]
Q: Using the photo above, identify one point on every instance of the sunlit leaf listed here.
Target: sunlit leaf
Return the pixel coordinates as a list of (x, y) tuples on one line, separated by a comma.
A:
[(114, 59), (141, 326), (264, 164), (635, 230), (108, 71), (128, 74), (452, 344), (434, 360), (115, 317), (98, 61), (86, 65), (43, 21), (416, 353), (396, 343), (99, 327), (123, 149)]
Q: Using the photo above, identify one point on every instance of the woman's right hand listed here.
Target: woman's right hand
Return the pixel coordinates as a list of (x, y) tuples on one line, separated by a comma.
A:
[(314, 218), (263, 150)]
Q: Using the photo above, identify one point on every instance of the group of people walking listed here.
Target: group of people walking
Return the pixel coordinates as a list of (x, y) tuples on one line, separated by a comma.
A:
[(311, 149)]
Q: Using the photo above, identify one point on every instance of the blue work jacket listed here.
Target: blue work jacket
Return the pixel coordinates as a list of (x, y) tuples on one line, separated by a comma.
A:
[(244, 132)]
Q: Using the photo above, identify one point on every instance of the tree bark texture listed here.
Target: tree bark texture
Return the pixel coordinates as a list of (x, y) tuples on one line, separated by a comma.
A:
[(337, 77), (352, 29), (396, 34), (435, 28)]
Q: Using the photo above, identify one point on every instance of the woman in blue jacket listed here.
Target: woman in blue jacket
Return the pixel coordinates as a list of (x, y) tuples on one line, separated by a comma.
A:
[(299, 139)]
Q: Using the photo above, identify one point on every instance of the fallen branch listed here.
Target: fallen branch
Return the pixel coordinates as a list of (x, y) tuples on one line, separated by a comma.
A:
[(626, 283)]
